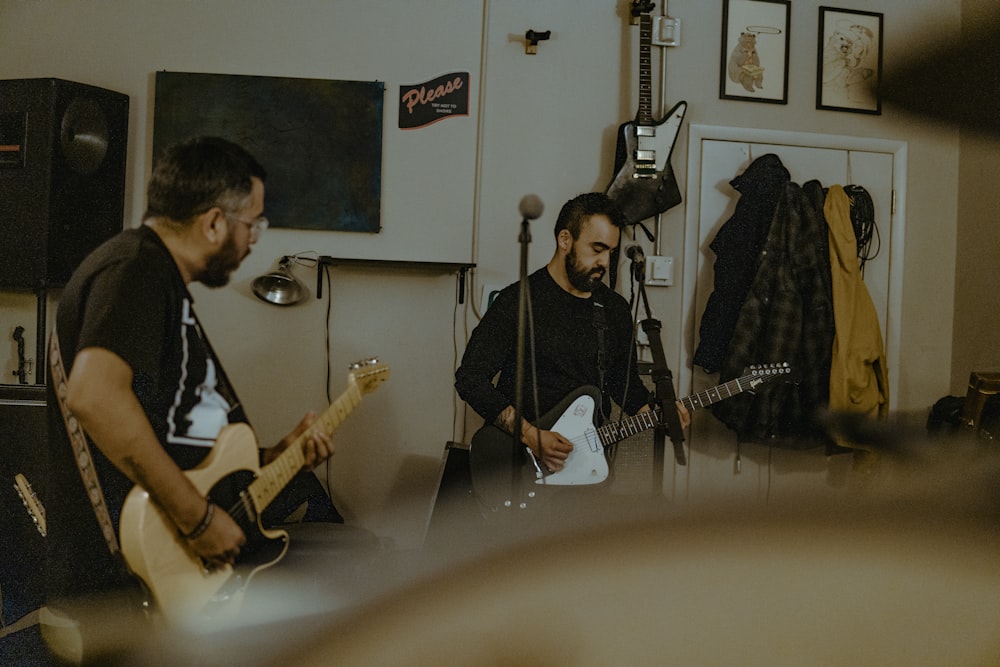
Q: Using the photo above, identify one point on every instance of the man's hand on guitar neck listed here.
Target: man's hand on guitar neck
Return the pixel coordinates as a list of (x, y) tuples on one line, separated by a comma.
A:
[(318, 447), (549, 447), (682, 413)]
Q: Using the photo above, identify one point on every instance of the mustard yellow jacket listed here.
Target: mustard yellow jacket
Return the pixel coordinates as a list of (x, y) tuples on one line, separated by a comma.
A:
[(859, 377)]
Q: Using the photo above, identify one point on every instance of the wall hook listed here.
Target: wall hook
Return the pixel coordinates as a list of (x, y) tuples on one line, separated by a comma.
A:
[(533, 37)]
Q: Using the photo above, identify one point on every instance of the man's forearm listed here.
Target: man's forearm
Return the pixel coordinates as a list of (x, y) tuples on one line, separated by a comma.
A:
[(101, 397), (506, 421)]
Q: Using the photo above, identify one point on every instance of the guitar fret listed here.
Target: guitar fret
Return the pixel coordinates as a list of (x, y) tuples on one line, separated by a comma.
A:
[(276, 475), (613, 432), (645, 70)]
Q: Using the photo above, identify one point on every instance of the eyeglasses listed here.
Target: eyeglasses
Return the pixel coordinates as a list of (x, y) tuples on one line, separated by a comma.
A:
[(256, 226)]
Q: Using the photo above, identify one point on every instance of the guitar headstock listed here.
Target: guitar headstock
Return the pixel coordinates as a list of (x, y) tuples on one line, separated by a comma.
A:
[(31, 502), (640, 7), (760, 373), (368, 374)]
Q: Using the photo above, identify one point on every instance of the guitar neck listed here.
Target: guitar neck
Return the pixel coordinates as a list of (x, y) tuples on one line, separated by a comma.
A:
[(645, 115), (276, 475), (618, 431)]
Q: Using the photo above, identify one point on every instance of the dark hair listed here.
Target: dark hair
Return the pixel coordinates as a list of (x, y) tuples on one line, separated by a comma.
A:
[(580, 208), (193, 176)]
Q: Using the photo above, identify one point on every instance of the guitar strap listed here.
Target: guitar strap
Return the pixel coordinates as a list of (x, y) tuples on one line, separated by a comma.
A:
[(601, 326), (81, 451)]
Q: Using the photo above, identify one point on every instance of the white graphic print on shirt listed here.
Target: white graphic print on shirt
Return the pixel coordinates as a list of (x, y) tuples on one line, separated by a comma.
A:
[(198, 411)]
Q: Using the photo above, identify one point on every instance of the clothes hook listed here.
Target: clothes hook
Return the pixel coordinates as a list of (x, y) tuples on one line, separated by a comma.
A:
[(533, 37)]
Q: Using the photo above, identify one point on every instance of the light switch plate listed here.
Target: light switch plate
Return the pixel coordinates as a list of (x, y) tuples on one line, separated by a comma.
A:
[(659, 270)]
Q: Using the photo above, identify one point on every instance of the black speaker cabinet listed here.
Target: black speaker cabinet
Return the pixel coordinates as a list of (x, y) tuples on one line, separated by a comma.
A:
[(23, 485), (62, 177)]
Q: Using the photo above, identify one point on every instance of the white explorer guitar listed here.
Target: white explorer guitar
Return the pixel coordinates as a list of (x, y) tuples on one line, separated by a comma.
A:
[(490, 455)]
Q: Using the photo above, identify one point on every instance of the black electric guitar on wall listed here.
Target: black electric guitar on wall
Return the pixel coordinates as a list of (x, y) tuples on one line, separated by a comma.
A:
[(575, 418), (644, 182)]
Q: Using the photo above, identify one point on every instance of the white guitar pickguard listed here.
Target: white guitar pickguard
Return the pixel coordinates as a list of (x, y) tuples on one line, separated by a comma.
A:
[(586, 464), (655, 144)]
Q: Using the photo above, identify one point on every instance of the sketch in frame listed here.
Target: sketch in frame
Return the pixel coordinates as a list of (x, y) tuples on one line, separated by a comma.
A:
[(755, 50), (849, 68)]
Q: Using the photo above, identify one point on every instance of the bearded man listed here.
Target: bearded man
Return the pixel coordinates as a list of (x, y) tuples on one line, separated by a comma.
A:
[(579, 334)]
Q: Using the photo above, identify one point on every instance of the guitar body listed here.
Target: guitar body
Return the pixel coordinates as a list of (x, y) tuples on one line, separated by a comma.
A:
[(644, 182), (154, 551), (491, 456), (231, 477)]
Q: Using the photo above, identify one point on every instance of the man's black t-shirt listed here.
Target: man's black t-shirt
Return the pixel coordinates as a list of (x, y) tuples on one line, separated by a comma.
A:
[(128, 297)]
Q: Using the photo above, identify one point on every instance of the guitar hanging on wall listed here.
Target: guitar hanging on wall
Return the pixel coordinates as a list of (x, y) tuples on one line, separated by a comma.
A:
[(644, 182)]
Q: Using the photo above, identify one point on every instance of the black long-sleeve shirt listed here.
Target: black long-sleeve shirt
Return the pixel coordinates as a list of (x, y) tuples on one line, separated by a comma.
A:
[(564, 338)]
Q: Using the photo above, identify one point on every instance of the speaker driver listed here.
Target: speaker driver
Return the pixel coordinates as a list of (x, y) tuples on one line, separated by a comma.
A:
[(84, 135)]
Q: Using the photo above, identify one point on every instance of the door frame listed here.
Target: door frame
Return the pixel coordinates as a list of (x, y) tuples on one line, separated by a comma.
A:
[(699, 133)]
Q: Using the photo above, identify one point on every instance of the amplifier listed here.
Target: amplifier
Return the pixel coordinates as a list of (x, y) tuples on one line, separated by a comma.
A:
[(982, 385)]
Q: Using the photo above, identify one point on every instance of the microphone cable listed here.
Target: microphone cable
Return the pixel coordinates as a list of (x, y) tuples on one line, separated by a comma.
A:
[(863, 221)]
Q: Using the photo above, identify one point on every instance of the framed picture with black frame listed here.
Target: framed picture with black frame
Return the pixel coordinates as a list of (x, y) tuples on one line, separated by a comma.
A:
[(849, 61), (754, 61)]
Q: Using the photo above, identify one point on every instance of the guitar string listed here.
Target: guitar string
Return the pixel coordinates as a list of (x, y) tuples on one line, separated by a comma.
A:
[(241, 510), (688, 401)]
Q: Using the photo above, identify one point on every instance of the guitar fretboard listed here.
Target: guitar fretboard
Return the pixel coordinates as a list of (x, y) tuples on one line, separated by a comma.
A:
[(645, 116), (276, 475), (618, 431)]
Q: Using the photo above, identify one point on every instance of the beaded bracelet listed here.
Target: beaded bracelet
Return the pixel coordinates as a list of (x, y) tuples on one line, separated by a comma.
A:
[(203, 525)]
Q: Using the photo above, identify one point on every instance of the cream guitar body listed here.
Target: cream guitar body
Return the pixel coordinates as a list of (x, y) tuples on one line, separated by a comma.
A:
[(183, 590)]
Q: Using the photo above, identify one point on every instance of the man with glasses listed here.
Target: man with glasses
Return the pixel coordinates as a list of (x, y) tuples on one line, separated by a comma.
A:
[(143, 381)]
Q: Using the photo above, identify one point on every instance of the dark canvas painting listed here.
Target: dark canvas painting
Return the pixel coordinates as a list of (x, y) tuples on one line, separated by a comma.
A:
[(319, 140)]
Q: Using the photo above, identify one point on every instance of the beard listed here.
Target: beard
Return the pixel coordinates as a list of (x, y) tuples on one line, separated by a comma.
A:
[(221, 265), (580, 277)]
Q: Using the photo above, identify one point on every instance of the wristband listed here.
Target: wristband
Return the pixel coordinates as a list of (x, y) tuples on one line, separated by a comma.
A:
[(200, 529)]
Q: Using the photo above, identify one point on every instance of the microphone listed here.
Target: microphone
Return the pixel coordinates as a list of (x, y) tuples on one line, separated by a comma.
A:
[(635, 253), (531, 207)]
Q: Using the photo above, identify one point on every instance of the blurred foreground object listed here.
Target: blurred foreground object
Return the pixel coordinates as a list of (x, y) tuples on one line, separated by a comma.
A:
[(954, 82), (716, 593)]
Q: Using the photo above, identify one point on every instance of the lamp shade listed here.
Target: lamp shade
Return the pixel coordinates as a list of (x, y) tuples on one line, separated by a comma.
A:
[(280, 287)]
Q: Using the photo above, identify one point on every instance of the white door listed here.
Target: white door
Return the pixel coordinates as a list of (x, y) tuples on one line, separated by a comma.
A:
[(715, 156)]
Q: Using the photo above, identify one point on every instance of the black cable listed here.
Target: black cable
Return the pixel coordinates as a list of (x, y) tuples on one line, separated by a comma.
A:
[(863, 221), (329, 305)]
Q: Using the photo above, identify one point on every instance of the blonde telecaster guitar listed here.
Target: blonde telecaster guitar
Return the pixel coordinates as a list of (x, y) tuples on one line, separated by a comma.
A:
[(232, 478)]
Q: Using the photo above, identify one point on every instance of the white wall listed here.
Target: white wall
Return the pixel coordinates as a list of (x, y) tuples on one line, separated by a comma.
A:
[(546, 125), (977, 301)]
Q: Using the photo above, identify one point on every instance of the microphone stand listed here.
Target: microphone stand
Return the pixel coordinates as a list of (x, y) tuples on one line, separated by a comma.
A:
[(664, 396), (524, 238)]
